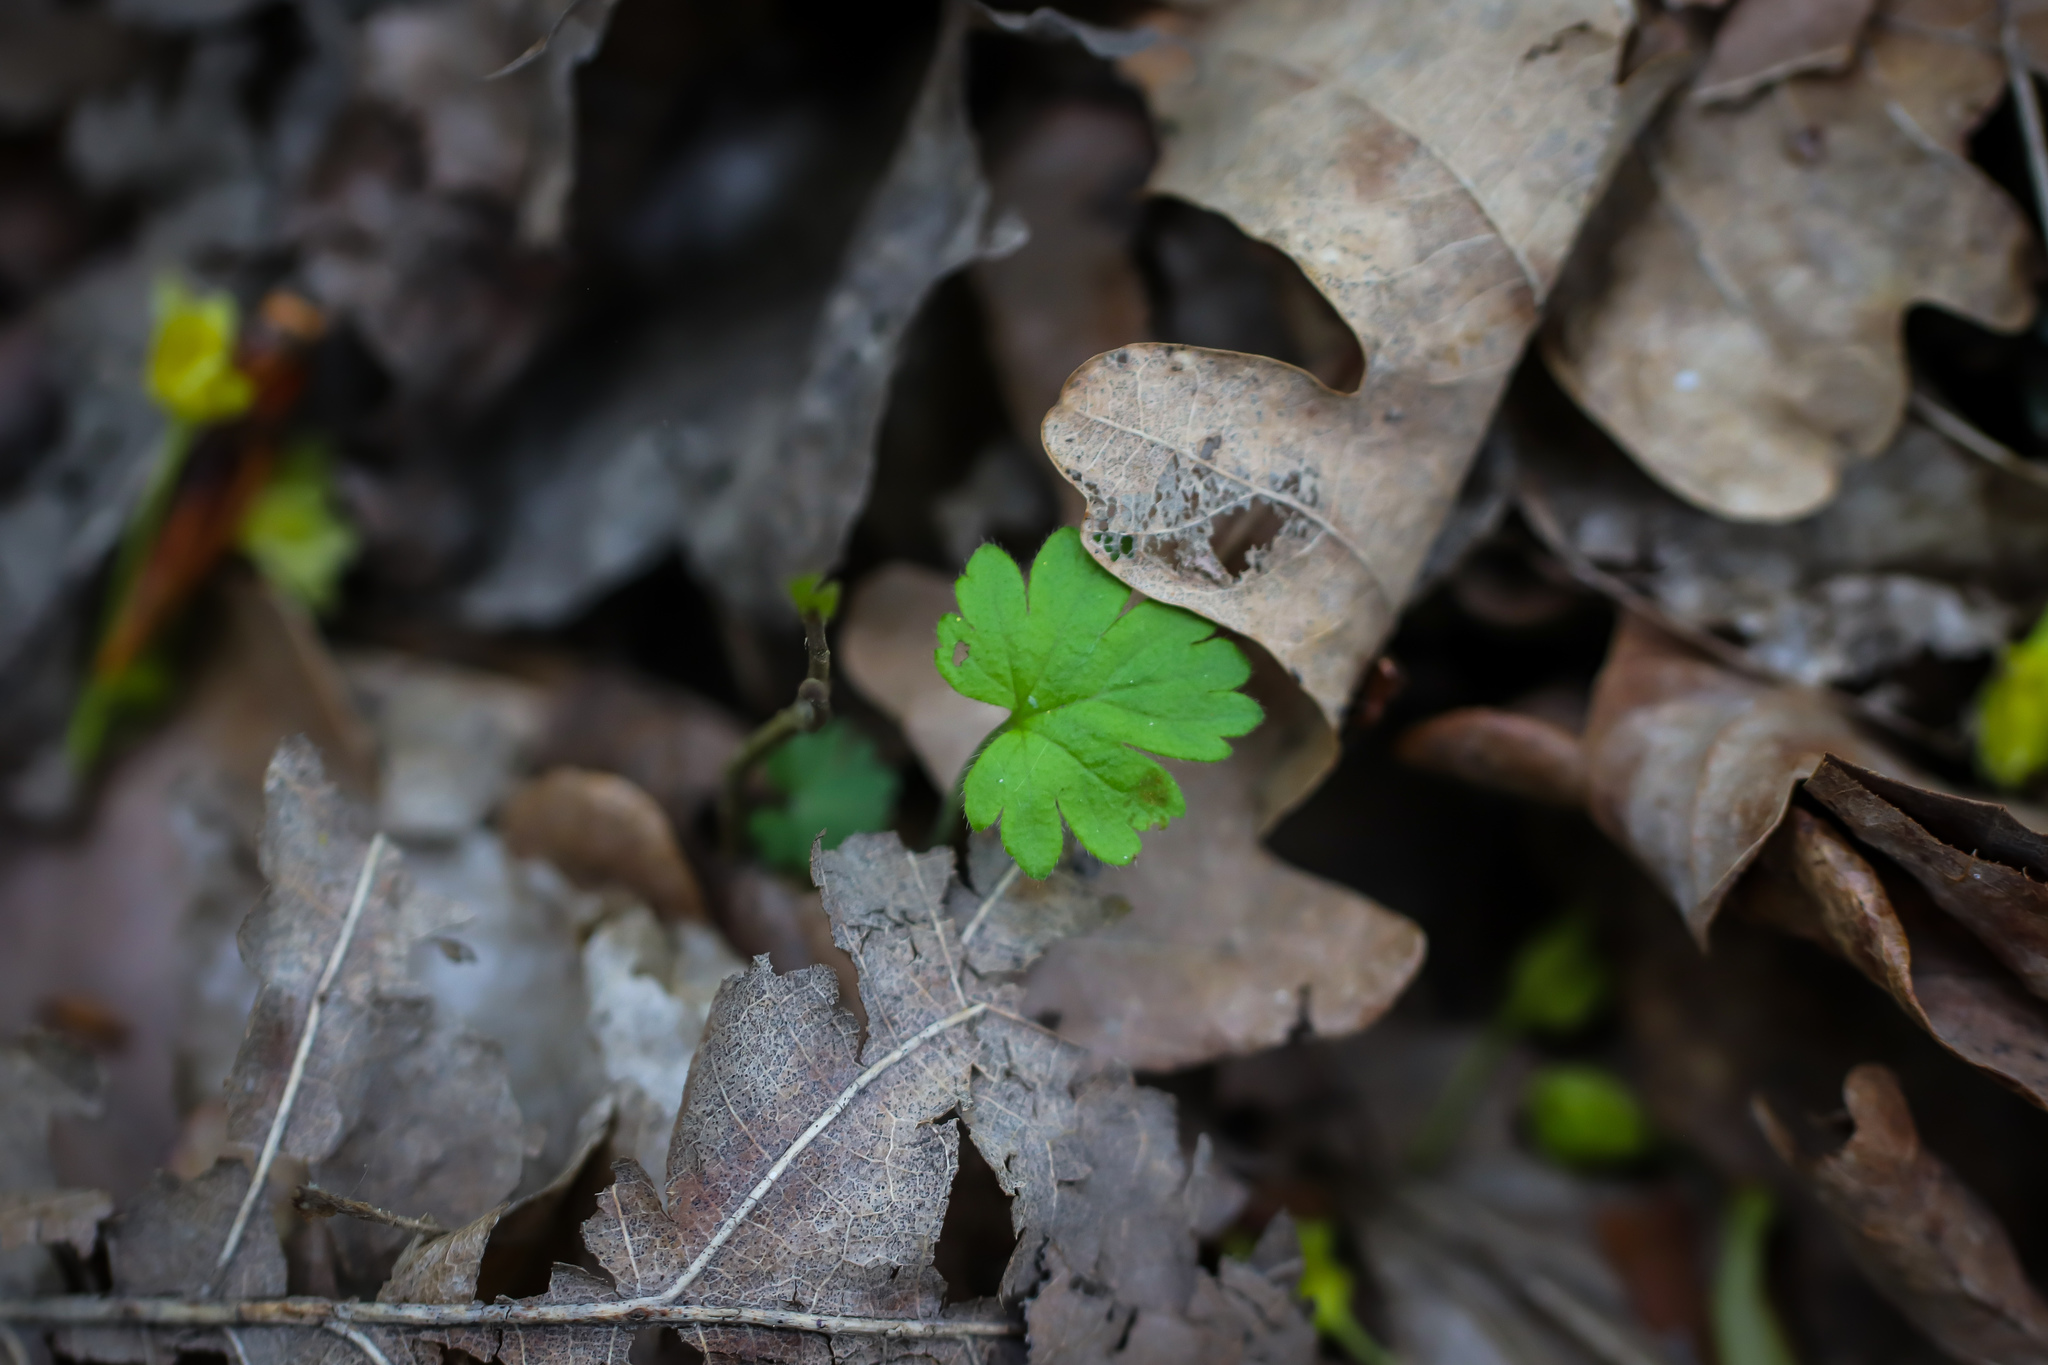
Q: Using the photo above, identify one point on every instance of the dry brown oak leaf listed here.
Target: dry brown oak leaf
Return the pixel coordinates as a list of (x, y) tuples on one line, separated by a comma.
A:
[(1735, 316), (810, 1169), (1918, 1232), (1427, 164), (1226, 949)]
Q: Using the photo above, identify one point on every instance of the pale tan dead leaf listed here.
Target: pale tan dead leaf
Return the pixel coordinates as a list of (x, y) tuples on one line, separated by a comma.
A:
[(600, 828), (1735, 316), (442, 1269), (1810, 881), (1226, 948), (1427, 164), (1763, 41), (1691, 767), (1920, 1234)]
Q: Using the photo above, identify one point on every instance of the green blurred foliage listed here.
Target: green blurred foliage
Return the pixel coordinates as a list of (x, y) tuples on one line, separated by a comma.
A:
[(832, 781), (1582, 1115), (1746, 1327), (2012, 713), (1557, 982), (294, 535)]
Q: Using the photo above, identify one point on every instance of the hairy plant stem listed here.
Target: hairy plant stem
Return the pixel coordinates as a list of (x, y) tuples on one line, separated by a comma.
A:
[(806, 715), (87, 1310)]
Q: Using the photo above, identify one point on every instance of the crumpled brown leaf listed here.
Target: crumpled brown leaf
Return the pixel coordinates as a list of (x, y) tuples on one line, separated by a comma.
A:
[(1735, 316), (1925, 548), (1811, 881), (1691, 767), (404, 1109), (1226, 948), (1763, 41), (1427, 165), (1504, 751), (1917, 1231)]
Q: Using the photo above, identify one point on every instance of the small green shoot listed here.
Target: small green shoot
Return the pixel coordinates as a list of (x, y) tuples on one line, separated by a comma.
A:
[(1557, 985), (1746, 1328), (813, 594), (1088, 685), (1584, 1116), (293, 534), (1327, 1284), (191, 371), (2012, 713), (833, 783)]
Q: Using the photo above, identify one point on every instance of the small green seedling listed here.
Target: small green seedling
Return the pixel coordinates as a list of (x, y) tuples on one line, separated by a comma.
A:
[(1746, 1327), (1582, 1115), (2012, 713), (294, 535), (833, 782), (814, 594), (1088, 685), (1326, 1284)]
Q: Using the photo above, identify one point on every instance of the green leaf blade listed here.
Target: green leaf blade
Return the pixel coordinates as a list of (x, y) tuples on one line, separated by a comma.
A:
[(1093, 691)]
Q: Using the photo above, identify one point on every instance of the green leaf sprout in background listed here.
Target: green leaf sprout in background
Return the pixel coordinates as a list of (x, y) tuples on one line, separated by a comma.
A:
[(1583, 1115), (833, 782), (293, 534), (1746, 1328), (813, 594), (191, 371), (1087, 684), (2012, 713), (1557, 985), (1327, 1283)]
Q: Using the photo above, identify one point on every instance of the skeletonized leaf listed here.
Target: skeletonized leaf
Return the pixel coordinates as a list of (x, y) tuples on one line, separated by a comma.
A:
[(1427, 165), (1736, 317)]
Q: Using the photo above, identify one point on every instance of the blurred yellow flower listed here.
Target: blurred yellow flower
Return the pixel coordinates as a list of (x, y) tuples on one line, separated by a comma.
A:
[(191, 370), (2012, 713)]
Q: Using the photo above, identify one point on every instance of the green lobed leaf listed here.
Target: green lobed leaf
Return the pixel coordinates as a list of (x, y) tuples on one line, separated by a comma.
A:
[(1557, 982), (1583, 1115), (1087, 685), (833, 783)]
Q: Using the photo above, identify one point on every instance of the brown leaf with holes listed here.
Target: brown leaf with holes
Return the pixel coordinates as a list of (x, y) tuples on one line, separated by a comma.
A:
[(1812, 882), (1226, 948), (1691, 767), (601, 828), (1735, 318), (1427, 164), (1917, 1231)]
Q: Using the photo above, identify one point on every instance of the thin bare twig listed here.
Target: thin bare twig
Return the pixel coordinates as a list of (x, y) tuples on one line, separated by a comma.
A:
[(540, 45), (931, 905), (17, 1350), (806, 715), (88, 1310), (988, 903), (362, 1341), (235, 1345), (311, 1199), (261, 1176), (808, 1136), (2027, 99)]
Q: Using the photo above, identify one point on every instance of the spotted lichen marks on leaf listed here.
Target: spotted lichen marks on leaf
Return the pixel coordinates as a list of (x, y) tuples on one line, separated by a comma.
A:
[(1427, 164)]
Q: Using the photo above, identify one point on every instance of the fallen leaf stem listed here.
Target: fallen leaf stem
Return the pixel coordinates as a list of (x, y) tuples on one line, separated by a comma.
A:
[(311, 1199), (806, 715), (260, 1177), (362, 1342), (805, 1139), (84, 1310)]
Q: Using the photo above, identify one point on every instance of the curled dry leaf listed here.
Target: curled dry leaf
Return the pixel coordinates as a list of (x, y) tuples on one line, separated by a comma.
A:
[(1427, 165), (600, 828), (1925, 549), (1735, 319), (1763, 41), (1918, 1232), (1226, 948), (1971, 857), (1812, 882), (1691, 767), (1503, 751)]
